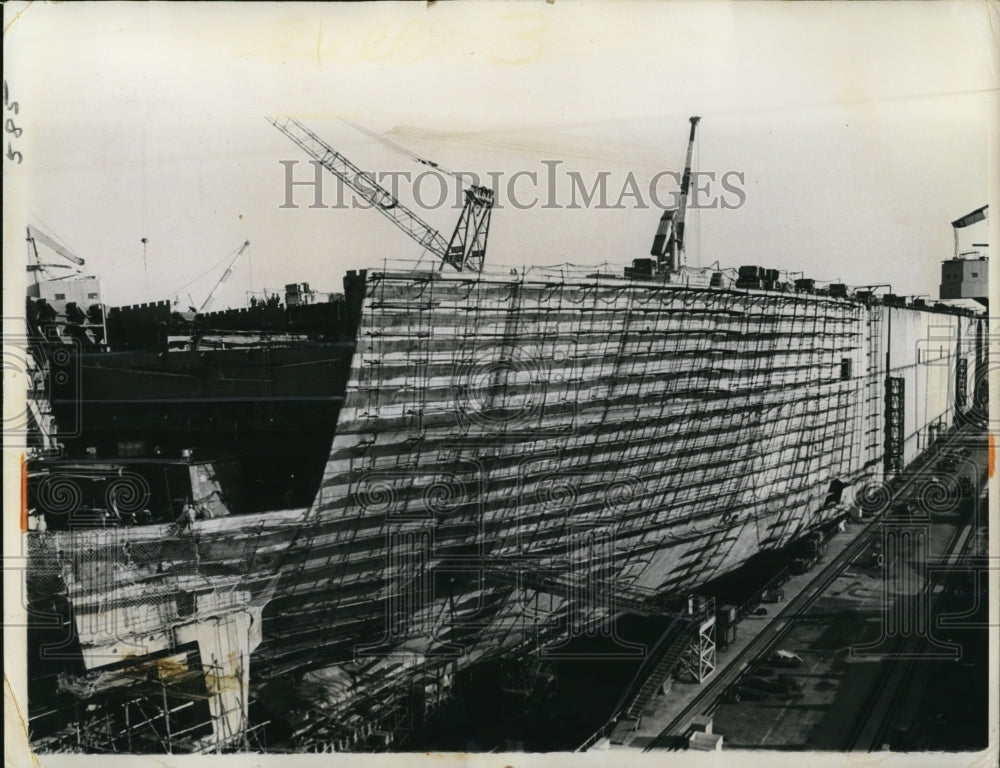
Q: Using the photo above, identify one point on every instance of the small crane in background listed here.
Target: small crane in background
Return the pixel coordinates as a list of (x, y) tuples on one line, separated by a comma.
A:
[(980, 214), (34, 238), (225, 276)]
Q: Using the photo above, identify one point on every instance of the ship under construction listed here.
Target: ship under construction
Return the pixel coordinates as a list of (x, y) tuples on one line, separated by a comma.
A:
[(297, 528)]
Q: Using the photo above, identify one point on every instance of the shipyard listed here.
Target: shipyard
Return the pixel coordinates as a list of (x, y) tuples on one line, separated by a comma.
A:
[(450, 492)]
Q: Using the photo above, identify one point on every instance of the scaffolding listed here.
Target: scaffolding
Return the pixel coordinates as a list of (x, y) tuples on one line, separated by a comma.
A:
[(496, 424), (165, 705), (165, 621), (698, 661), (519, 459)]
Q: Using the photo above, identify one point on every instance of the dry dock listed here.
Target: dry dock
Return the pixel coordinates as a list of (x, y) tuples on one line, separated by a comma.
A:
[(891, 617)]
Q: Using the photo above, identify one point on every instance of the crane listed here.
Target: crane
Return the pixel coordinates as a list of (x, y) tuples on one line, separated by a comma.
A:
[(466, 250), (668, 244), (35, 237), (968, 219), (225, 276)]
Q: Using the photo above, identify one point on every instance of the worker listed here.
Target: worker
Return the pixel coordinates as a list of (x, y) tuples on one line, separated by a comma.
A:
[(188, 515), (205, 511), (112, 516)]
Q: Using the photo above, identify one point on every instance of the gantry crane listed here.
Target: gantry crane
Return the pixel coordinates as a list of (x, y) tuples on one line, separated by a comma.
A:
[(668, 245), (467, 248)]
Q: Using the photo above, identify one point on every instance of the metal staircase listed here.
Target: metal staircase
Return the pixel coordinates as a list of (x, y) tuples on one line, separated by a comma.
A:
[(664, 667), (688, 635)]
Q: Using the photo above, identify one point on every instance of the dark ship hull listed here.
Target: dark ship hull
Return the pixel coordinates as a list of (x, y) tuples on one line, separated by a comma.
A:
[(273, 410), (259, 389)]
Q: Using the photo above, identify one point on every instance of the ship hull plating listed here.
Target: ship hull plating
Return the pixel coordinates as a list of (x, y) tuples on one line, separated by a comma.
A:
[(517, 460)]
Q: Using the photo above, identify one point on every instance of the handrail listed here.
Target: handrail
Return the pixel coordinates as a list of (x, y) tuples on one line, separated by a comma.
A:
[(705, 608)]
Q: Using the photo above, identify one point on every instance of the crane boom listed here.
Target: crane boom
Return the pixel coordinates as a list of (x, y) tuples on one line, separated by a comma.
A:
[(363, 184), (685, 187), (968, 219), (66, 253), (467, 247), (668, 244), (225, 276), (971, 218)]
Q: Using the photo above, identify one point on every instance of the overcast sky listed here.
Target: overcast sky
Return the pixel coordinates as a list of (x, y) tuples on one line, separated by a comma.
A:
[(860, 132)]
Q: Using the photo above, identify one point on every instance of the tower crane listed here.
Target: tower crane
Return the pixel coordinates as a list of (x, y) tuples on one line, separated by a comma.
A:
[(466, 250), (225, 276), (668, 244)]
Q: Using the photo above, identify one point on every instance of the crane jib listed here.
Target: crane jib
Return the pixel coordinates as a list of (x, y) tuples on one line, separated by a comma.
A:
[(467, 246)]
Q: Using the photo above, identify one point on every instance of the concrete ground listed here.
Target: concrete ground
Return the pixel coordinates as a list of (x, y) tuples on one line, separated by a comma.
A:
[(665, 708), (828, 692), (843, 639)]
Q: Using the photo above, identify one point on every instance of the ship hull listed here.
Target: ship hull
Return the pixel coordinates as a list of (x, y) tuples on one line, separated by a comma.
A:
[(518, 460), (273, 410)]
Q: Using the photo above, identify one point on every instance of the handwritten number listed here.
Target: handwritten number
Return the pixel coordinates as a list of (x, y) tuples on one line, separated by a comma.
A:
[(8, 104), (531, 34), (10, 126)]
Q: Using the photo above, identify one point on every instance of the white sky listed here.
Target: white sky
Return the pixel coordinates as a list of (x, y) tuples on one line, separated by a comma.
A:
[(862, 130)]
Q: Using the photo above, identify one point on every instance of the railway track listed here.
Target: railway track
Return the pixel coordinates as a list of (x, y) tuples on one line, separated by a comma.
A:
[(891, 682), (871, 729)]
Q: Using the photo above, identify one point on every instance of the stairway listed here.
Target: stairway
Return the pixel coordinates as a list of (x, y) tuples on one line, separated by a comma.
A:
[(660, 663), (662, 667)]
